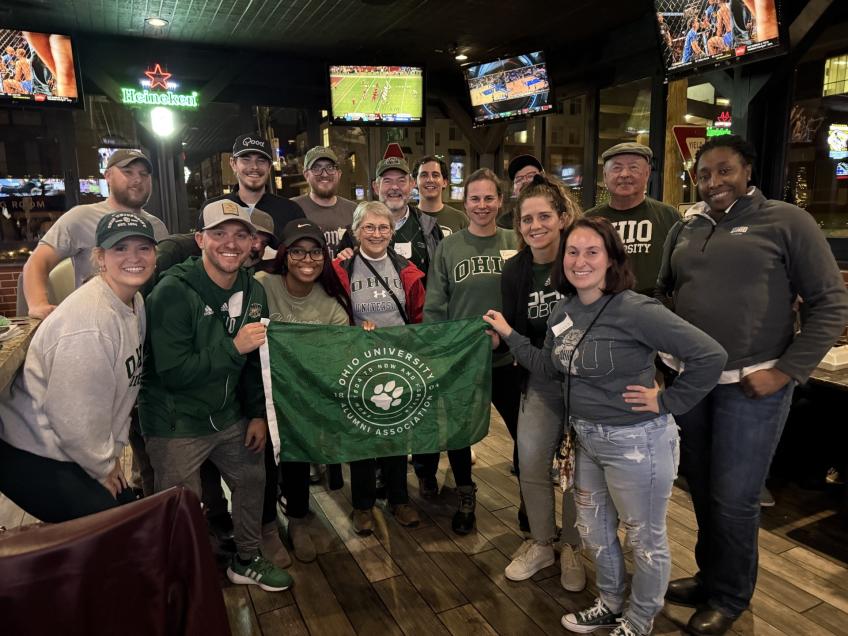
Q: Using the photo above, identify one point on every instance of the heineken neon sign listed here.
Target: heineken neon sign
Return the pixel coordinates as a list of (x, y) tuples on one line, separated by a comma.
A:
[(148, 95)]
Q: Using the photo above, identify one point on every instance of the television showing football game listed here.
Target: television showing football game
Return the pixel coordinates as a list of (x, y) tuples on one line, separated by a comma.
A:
[(509, 88), (38, 68), (377, 95), (706, 33)]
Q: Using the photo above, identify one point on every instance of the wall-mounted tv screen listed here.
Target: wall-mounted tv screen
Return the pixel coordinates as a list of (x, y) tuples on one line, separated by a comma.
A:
[(377, 95), (38, 69), (31, 187), (509, 88), (704, 33)]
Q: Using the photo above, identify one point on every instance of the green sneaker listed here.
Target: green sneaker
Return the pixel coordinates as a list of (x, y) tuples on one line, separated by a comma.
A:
[(260, 571)]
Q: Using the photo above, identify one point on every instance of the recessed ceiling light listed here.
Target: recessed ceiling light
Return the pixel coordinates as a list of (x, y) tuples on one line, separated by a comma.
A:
[(156, 22), (460, 57)]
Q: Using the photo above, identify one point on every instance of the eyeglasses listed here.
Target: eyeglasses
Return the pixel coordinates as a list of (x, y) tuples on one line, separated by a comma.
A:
[(521, 178), (328, 170), (375, 229), (298, 253)]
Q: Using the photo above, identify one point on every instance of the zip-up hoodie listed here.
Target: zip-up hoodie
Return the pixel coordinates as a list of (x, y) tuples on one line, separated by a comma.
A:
[(196, 382), (737, 279)]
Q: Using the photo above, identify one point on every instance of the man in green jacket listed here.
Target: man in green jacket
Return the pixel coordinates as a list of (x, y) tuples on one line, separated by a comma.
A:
[(202, 395)]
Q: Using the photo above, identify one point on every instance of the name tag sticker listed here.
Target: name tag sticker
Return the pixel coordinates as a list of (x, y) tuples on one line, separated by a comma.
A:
[(742, 229), (507, 254), (404, 249), (562, 326)]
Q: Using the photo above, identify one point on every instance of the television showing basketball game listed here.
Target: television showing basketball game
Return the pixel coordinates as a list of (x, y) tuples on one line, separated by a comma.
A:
[(38, 68), (706, 33), (509, 88), (377, 95)]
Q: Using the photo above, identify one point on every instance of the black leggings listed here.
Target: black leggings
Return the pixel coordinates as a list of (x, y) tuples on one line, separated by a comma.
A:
[(506, 396), (51, 490)]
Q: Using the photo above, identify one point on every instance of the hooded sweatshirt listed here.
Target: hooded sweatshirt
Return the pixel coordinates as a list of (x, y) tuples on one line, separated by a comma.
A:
[(196, 382)]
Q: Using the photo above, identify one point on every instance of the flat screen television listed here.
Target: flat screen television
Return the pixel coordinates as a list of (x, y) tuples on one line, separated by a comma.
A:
[(699, 34), (363, 95), (509, 88), (31, 187), (38, 69), (837, 141)]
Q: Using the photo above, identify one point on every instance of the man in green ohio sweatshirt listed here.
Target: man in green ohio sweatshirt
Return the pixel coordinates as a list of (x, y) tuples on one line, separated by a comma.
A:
[(202, 396)]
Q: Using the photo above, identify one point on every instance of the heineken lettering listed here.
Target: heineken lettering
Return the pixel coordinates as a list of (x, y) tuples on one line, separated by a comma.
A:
[(134, 97)]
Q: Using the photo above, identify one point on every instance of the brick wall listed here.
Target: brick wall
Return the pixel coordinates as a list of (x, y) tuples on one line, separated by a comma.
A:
[(8, 287)]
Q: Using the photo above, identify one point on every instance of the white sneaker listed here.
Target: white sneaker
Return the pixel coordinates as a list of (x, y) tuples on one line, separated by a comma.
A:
[(529, 559), (573, 577)]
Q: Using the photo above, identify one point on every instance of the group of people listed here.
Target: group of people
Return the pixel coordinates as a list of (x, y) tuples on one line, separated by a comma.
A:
[(569, 298)]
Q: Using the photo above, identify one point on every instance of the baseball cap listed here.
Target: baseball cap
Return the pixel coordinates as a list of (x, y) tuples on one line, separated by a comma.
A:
[(319, 152), (252, 142), (299, 229), (628, 148), (222, 211), (125, 156), (116, 226), (522, 161), (263, 222), (393, 159)]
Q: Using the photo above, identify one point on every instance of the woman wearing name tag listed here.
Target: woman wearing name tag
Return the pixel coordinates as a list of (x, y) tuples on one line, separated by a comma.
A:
[(65, 421), (385, 290), (301, 288), (465, 280), (604, 337), (543, 209)]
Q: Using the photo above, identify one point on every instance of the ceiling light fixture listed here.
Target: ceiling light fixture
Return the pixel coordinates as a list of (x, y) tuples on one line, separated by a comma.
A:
[(460, 57), (156, 22)]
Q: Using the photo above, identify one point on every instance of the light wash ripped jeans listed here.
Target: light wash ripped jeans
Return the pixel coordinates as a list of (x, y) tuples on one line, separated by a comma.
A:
[(626, 473)]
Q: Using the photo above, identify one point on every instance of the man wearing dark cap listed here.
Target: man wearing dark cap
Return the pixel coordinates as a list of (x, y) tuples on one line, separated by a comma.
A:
[(72, 236), (642, 222), (323, 206), (416, 235), (251, 163), (521, 170)]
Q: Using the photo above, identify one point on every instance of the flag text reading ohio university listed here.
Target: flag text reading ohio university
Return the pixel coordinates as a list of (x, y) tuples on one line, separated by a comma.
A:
[(338, 394)]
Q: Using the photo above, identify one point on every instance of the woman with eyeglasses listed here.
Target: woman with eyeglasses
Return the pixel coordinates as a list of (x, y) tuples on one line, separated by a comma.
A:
[(385, 290), (303, 288)]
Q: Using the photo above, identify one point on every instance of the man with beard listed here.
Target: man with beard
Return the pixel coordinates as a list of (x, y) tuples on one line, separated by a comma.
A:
[(431, 176), (416, 235), (323, 206), (642, 222), (72, 236), (251, 163)]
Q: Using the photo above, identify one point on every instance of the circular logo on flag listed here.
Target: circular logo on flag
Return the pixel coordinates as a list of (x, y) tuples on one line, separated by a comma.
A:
[(385, 391)]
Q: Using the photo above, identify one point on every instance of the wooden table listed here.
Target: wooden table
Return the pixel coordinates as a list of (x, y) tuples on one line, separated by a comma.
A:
[(832, 379), (14, 350)]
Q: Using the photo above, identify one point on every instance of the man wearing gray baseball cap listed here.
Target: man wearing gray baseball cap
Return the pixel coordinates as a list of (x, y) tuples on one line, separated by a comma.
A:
[(72, 235), (642, 222)]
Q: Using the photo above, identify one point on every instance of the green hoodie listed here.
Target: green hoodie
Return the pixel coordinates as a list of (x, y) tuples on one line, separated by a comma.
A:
[(196, 382)]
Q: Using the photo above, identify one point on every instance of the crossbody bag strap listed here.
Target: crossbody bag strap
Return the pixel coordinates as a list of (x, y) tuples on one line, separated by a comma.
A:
[(385, 285)]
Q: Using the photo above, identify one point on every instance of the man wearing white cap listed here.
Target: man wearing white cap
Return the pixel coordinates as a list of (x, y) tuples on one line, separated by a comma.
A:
[(202, 395), (72, 235)]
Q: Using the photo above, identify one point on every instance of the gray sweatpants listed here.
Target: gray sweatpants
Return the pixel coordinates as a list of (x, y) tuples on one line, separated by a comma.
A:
[(540, 428), (176, 462)]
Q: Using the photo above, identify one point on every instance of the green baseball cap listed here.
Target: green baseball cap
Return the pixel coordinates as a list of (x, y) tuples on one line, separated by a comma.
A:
[(116, 226), (392, 163), (319, 152)]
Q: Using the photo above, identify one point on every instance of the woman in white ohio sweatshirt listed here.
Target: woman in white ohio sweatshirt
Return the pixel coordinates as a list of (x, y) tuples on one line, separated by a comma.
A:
[(65, 419)]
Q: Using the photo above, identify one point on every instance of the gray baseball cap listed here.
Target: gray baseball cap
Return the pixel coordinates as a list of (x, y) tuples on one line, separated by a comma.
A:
[(221, 211)]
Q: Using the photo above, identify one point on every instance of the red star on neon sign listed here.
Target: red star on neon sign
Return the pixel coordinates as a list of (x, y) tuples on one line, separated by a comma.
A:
[(158, 77)]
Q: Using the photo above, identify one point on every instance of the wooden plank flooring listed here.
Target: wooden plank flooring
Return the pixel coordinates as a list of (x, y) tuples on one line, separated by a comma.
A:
[(429, 581)]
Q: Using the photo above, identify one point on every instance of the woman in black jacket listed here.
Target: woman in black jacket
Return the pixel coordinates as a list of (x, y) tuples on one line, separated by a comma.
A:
[(544, 208)]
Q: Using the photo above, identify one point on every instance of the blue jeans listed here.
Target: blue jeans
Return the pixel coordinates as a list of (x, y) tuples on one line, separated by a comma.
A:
[(727, 444), (627, 472)]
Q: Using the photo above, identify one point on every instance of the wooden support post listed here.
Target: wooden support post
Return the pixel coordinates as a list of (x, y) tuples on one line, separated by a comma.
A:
[(672, 165)]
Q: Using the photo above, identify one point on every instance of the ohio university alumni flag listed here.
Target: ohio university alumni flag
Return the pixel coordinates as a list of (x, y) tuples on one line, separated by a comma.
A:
[(338, 394)]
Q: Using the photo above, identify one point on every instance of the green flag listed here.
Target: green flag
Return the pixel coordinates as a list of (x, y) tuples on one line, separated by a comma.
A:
[(338, 394)]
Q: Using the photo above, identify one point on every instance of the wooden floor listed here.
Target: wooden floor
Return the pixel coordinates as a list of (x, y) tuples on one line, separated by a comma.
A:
[(430, 581)]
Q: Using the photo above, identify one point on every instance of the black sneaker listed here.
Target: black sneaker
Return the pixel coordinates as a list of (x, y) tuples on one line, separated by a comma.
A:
[(464, 518), (588, 620), (428, 487)]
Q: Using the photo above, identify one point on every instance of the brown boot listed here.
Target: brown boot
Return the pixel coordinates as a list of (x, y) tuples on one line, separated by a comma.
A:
[(272, 548), (406, 515), (363, 522)]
